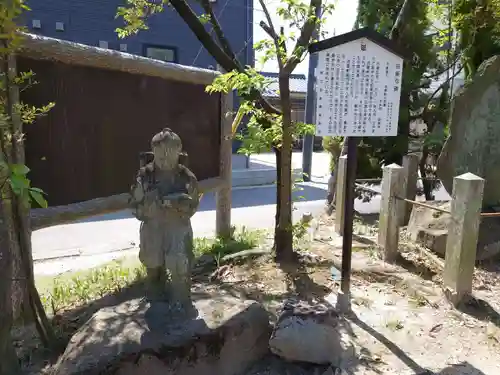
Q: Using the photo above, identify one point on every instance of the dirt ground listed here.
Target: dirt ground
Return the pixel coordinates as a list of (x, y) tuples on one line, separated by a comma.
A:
[(401, 323)]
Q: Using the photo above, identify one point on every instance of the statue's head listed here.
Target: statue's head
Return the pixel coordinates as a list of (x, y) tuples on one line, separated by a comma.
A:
[(166, 147)]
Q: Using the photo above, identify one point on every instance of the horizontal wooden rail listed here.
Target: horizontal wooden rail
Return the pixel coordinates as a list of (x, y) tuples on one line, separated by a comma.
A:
[(46, 217), (380, 179), (421, 204), (490, 214)]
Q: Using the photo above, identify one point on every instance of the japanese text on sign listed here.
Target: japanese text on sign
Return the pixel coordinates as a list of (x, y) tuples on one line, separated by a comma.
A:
[(358, 86)]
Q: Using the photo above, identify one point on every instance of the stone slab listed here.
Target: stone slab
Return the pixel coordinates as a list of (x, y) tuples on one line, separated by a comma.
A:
[(474, 141), (430, 229), (138, 337)]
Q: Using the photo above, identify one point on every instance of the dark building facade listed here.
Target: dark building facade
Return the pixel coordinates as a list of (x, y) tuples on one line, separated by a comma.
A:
[(94, 22)]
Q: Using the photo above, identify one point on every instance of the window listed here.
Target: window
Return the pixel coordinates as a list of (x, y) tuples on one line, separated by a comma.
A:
[(167, 54)]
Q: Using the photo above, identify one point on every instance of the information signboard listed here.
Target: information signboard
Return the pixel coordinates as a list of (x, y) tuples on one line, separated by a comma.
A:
[(358, 86), (357, 91)]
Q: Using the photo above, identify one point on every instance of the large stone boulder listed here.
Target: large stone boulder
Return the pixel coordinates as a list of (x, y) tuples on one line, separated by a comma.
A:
[(474, 142), (430, 228), (138, 337), (310, 333)]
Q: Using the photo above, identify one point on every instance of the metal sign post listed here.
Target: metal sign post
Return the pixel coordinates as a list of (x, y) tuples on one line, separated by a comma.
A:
[(358, 88)]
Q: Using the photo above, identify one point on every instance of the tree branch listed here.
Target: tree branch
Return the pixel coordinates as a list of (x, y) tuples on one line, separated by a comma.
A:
[(282, 34), (439, 72), (226, 47), (222, 58), (305, 35), (426, 108), (398, 24), (191, 19), (269, 28)]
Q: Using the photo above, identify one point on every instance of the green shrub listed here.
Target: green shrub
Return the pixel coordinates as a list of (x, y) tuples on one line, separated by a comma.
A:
[(368, 166), (333, 145)]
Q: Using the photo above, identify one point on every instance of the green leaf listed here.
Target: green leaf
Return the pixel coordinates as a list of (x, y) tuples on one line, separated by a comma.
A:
[(19, 169), (19, 183), (37, 196), (38, 190)]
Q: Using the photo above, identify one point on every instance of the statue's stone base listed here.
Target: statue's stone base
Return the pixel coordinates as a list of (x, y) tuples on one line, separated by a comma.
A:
[(140, 337)]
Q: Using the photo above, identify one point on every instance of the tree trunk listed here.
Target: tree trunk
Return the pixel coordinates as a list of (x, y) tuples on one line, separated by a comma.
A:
[(9, 365), (427, 185), (20, 227), (31, 308), (332, 184), (277, 152), (284, 230)]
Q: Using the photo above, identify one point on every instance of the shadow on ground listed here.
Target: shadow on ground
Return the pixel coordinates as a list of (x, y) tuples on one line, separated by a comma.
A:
[(460, 369), (481, 310), (299, 284), (452, 369), (68, 322)]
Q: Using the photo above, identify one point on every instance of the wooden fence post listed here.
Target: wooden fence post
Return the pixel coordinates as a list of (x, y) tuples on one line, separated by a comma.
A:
[(463, 232), (390, 211), (410, 172), (341, 172), (223, 195)]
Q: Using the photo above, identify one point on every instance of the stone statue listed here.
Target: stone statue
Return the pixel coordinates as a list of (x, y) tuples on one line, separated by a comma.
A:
[(165, 197)]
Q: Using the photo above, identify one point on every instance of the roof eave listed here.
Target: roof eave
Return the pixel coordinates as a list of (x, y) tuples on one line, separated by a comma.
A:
[(351, 36)]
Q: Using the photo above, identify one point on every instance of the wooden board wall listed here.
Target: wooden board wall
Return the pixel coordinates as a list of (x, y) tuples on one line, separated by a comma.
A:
[(88, 145)]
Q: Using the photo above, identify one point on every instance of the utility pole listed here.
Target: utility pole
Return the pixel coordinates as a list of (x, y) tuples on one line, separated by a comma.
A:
[(308, 142)]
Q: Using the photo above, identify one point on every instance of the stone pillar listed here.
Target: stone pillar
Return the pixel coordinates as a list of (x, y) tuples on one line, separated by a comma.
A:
[(410, 172), (390, 211), (463, 231), (341, 172)]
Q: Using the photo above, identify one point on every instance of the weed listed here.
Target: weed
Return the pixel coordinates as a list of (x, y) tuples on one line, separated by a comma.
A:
[(417, 300), (362, 301), (394, 325), (82, 287), (243, 239)]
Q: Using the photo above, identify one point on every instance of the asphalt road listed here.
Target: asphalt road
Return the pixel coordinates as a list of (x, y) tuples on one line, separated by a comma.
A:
[(106, 236)]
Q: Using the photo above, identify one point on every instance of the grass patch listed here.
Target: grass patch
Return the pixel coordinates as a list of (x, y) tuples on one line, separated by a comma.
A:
[(81, 287), (243, 239), (77, 288)]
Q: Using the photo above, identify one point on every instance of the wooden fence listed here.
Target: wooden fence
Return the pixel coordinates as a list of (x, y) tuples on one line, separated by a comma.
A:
[(108, 105)]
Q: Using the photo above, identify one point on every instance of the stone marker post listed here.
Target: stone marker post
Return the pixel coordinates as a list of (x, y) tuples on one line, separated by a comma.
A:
[(410, 172), (340, 194), (463, 231), (390, 211)]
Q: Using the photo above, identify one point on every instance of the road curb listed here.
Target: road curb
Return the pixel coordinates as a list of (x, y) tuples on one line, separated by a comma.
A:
[(258, 177)]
